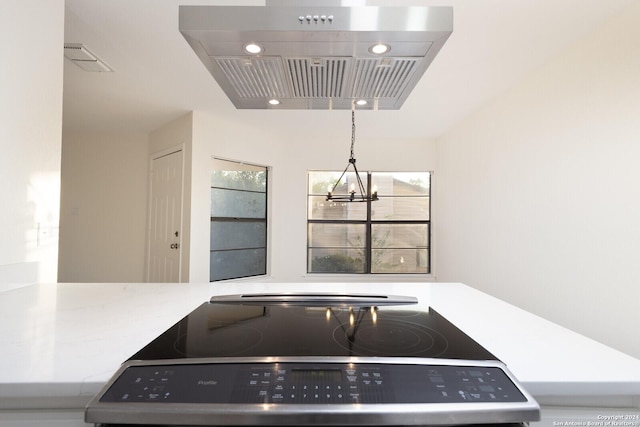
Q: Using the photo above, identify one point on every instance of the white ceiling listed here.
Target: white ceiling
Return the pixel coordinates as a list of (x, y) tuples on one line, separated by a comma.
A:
[(495, 44)]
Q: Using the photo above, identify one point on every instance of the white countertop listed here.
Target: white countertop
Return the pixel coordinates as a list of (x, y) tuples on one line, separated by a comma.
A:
[(62, 342)]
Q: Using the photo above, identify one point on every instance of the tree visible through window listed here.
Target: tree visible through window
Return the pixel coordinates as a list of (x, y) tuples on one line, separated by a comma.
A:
[(238, 220), (390, 235)]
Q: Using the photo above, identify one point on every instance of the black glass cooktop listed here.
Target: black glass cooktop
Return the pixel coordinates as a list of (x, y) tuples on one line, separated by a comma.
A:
[(249, 330)]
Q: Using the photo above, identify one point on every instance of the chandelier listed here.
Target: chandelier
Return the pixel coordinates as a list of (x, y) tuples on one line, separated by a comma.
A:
[(363, 195)]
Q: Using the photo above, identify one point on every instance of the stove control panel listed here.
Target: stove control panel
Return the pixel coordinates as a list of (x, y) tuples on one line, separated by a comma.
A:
[(312, 383)]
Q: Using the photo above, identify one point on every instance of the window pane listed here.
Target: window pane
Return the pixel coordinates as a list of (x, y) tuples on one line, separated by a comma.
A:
[(238, 204), (402, 183), (320, 208), (322, 182), (400, 261), (238, 220), (389, 235), (405, 236), (237, 235), (400, 209), (336, 261), (336, 235), (240, 176), (241, 263)]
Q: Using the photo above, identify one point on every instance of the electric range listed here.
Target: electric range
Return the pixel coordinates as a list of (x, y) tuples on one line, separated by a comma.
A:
[(312, 359)]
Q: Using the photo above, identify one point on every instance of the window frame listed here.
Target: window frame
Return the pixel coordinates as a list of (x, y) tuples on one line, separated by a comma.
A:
[(239, 220), (369, 224)]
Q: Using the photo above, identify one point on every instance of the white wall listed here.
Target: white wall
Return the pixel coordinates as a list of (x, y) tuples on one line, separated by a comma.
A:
[(103, 207), (539, 192), (30, 138), (290, 155)]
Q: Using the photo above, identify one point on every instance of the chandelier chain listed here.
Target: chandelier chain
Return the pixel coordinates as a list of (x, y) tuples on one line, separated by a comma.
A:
[(353, 130)]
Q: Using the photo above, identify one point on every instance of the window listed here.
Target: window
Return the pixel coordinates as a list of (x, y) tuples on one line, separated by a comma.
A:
[(390, 235), (238, 220)]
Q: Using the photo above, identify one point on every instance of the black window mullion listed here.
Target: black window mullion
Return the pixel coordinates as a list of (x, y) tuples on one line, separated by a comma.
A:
[(368, 241)]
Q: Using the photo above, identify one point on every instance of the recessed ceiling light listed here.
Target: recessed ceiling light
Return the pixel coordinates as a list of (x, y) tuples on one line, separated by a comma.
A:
[(253, 48), (274, 102), (379, 48), (361, 102)]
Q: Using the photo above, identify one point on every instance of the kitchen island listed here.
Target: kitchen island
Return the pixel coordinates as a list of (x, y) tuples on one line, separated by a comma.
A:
[(62, 342)]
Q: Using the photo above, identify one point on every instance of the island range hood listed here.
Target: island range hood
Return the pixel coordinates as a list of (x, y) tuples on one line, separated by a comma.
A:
[(316, 57)]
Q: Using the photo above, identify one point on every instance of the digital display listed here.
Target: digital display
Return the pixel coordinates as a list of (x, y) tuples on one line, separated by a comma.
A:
[(323, 375)]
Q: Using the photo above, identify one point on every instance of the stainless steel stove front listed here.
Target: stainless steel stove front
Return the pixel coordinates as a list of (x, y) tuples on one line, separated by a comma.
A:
[(302, 391)]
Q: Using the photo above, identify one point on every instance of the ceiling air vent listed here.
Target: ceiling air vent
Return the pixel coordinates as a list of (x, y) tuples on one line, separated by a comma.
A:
[(84, 58)]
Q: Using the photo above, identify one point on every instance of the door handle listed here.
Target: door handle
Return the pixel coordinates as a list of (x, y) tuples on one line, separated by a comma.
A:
[(315, 299), (174, 246)]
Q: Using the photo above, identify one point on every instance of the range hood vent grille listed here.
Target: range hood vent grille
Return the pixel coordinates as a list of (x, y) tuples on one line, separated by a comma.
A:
[(317, 77), (260, 77), (316, 57), (379, 78)]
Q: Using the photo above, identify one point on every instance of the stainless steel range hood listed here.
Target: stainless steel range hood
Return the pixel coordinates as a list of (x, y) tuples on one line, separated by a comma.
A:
[(316, 57)]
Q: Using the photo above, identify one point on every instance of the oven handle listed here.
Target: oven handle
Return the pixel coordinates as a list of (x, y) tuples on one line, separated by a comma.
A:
[(314, 299)]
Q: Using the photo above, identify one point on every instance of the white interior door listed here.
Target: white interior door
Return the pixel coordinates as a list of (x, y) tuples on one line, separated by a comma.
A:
[(165, 219)]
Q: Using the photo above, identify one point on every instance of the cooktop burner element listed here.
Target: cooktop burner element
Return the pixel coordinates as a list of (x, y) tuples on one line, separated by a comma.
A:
[(312, 360), (386, 337)]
